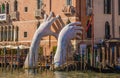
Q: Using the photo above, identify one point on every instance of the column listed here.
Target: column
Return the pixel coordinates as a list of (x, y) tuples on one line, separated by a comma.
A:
[(103, 56), (94, 57), (107, 50), (110, 56), (91, 56), (14, 39), (5, 33), (12, 33), (16, 34)]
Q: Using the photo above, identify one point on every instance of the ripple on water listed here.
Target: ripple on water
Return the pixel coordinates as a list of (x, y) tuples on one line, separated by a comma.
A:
[(50, 74)]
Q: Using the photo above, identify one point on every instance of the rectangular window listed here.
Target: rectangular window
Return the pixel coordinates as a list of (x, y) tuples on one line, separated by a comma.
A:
[(39, 4), (26, 9), (69, 2), (107, 6), (25, 34), (88, 7), (119, 7)]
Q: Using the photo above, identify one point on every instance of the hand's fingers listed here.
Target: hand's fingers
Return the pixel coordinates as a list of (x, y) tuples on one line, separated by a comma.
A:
[(45, 17), (53, 19), (78, 37), (51, 14), (74, 23), (78, 31)]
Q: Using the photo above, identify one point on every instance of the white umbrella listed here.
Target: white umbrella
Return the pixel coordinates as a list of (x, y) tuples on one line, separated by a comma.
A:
[(9, 46), (23, 47)]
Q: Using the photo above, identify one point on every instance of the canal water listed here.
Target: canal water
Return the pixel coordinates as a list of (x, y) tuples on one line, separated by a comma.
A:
[(51, 74)]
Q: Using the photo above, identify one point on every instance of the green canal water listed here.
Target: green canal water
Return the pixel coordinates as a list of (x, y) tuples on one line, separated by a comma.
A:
[(51, 74)]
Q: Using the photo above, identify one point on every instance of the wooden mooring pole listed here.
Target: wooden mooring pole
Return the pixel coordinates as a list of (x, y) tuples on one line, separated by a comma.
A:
[(111, 56), (107, 51), (11, 61), (115, 52), (103, 56)]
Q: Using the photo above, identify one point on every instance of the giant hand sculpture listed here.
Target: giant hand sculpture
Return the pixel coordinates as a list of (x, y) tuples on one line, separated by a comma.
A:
[(66, 34), (43, 30)]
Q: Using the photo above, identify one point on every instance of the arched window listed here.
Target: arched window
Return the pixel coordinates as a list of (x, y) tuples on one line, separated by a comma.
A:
[(5, 33), (107, 30), (16, 33), (15, 5), (39, 4), (1, 33), (12, 33), (3, 8), (7, 8), (8, 33)]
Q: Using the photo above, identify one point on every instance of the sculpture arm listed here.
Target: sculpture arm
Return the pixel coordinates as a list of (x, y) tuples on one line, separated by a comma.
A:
[(43, 30), (67, 33)]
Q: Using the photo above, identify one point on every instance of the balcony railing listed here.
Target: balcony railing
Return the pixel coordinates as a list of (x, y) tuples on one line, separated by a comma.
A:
[(68, 10), (39, 13), (15, 15)]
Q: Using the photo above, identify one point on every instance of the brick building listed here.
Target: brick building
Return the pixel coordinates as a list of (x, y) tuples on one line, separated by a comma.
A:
[(19, 20)]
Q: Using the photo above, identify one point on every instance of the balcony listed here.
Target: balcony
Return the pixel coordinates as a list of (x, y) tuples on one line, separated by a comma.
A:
[(4, 17), (15, 16), (39, 13), (68, 10)]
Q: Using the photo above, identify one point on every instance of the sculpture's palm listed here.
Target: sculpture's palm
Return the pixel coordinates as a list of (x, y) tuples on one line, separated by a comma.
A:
[(67, 33), (43, 30)]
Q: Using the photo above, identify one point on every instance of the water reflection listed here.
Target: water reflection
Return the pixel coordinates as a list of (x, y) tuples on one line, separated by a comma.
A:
[(50, 74)]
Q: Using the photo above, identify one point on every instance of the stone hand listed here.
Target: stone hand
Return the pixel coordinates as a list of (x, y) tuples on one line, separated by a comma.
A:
[(67, 33), (43, 30)]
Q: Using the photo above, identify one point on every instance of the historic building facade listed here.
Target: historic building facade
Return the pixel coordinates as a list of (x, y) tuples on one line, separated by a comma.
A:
[(19, 19), (106, 19)]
